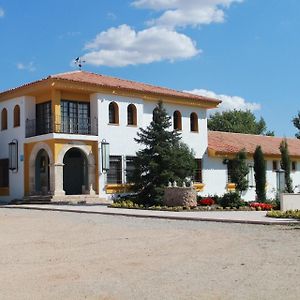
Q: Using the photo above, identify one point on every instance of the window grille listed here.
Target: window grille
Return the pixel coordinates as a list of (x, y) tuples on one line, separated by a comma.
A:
[(114, 174), (198, 171), (129, 168)]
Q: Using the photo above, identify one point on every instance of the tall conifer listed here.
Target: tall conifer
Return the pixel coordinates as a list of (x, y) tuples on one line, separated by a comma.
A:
[(164, 158), (260, 174), (286, 166)]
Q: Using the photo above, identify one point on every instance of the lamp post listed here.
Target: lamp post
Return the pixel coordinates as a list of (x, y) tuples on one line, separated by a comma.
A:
[(280, 181), (105, 155), (13, 155), (251, 175)]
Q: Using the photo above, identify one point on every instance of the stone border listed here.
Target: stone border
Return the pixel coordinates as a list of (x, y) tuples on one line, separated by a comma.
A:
[(155, 216)]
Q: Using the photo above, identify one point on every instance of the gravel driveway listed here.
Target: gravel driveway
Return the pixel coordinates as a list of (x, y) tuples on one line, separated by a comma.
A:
[(57, 255)]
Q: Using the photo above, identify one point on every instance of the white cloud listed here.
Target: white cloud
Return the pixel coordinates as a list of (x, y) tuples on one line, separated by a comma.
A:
[(111, 16), (186, 12), (228, 102), (123, 46), (2, 13), (26, 67)]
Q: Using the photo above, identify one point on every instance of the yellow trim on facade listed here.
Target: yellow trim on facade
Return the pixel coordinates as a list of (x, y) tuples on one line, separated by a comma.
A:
[(4, 191), (118, 188), (67, 95), (44, 97), (55, 98), (231, 187), (56, 146), (199, 186), (219, 154)]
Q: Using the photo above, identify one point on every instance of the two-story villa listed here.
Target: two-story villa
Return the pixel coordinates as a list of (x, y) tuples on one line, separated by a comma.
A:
[(55, 133)]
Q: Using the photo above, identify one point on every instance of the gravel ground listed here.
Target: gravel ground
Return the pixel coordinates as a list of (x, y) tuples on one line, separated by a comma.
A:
[(56, 255)]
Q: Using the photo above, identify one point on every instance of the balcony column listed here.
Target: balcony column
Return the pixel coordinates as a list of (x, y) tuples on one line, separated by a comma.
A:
[(56, 110), (57, 180), (91, 178)]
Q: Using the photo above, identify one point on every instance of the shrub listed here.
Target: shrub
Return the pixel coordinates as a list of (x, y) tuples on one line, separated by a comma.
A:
[(275, 203), (231, 200), (206, 201), (290, 214)]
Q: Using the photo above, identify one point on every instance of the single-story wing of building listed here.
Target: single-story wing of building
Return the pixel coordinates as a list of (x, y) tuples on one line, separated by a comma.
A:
[(223, 146)]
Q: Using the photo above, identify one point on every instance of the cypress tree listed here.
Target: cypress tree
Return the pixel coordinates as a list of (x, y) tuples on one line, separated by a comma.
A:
[(164, 158), (286, 165), (239, 170), (260, 174)]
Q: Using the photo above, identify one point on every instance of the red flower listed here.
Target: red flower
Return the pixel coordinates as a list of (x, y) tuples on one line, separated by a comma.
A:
[(263, 206), (206, 201)]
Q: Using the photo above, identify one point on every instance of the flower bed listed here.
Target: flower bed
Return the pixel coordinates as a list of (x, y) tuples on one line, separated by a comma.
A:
[(128, 204), (261, 206), (206, 201)]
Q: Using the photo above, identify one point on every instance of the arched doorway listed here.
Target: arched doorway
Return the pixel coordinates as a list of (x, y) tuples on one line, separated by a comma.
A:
[(42, 173), (75, 172)]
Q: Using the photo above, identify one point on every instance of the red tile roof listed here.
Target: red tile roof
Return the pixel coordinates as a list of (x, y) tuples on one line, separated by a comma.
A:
[(116, 83), (108, 81), (231, 143)]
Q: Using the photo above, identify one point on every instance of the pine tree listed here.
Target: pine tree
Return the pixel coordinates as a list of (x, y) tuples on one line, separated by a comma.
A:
[(260, 174), (296, 122), (164, 158), (286, 166), (238, 170)]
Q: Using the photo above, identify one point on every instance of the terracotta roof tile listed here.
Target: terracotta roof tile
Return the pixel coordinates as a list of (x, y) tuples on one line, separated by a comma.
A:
[(113, 82), (116, 83), (231, 143)]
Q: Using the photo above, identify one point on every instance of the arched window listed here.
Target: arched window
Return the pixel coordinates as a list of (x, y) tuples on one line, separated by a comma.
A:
[(4, 119), (17, 117), (194, 122), (113, 113), (131, 115), (177, 120)]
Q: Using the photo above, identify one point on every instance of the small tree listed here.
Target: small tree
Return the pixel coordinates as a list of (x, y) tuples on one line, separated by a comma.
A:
[(238, 170), (296, 122), (286, 165), (164, 158), (260, 174), (238, 121)]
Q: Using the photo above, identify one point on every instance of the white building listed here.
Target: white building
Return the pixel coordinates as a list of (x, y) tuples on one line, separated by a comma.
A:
[(56, 128), (53, 133), (224, 145)]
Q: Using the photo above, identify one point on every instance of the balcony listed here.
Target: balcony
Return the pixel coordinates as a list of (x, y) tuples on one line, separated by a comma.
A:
[(82, 126)]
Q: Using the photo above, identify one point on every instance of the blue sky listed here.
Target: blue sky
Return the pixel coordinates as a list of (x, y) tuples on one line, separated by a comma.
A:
[(244, 51)]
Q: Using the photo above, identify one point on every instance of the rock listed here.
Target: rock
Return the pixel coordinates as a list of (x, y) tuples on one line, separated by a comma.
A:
[(180, 196)]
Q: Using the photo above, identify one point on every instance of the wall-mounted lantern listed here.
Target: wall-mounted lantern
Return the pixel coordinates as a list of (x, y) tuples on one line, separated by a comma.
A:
[(280, 180), (13, 155), (105, 155), (251, 175)]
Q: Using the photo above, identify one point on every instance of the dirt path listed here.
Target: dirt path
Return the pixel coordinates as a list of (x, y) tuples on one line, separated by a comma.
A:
[(50, 255)]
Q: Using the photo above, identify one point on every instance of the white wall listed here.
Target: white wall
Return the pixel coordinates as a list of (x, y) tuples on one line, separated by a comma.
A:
[(215, 178), (121, 136), (16, 180), (290, 202)]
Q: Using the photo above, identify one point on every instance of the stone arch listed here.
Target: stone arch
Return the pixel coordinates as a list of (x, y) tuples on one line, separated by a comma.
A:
[(32, 159), (90, 159)]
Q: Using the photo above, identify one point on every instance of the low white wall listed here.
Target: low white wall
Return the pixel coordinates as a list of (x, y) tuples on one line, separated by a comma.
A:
[(289, 202)]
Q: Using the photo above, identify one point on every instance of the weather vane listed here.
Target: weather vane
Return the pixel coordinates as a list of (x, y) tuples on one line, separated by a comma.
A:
[(79, 62)]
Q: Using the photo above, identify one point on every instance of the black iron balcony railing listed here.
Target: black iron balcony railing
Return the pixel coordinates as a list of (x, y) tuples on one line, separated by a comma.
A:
[(61, 124)]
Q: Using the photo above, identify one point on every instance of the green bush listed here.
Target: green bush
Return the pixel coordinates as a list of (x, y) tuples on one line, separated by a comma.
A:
[(290, 214), (230, 200)]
